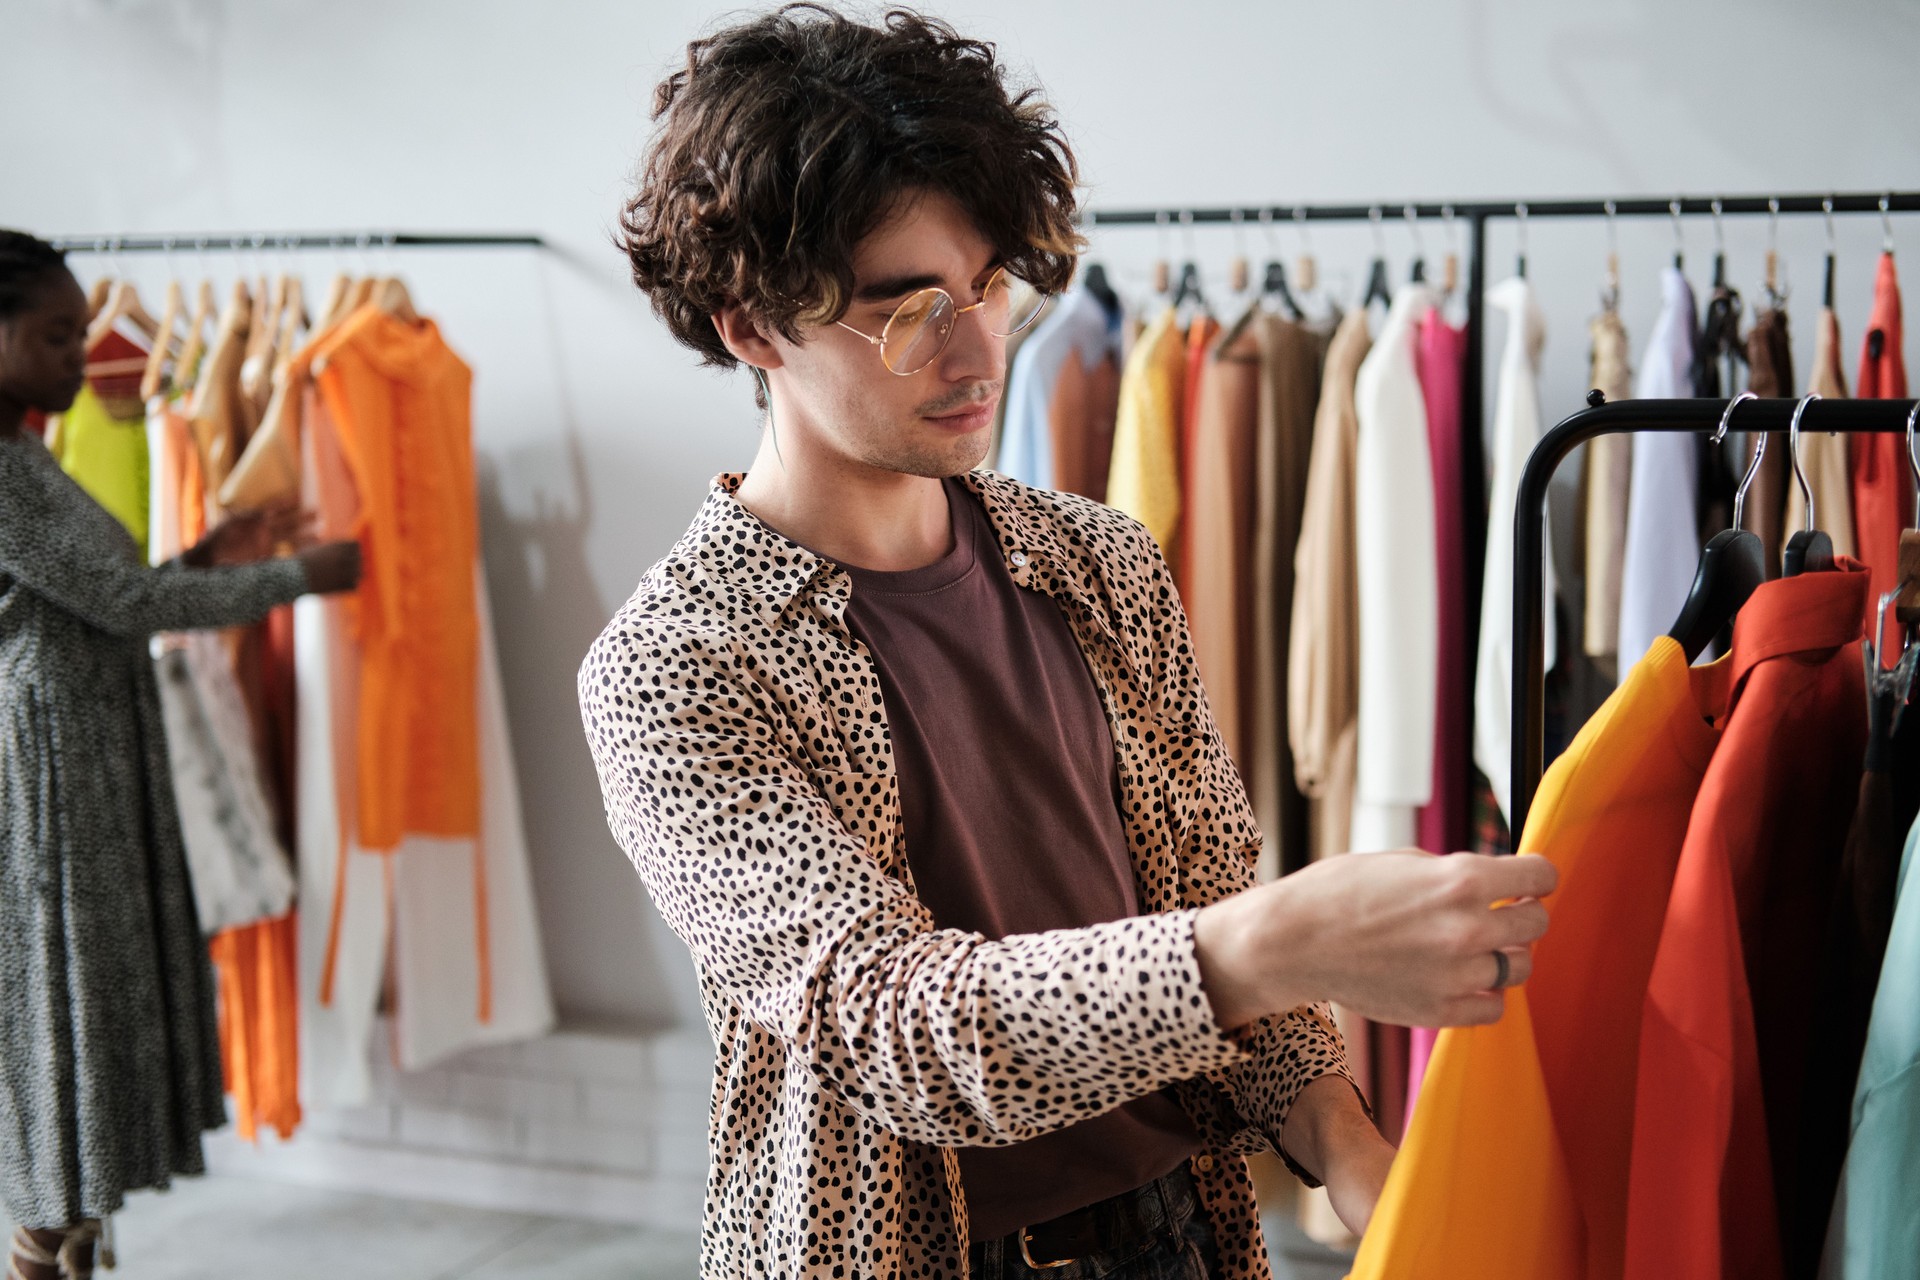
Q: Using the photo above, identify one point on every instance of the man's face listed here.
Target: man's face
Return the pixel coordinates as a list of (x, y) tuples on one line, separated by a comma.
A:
[(43, 349), (935, 422)]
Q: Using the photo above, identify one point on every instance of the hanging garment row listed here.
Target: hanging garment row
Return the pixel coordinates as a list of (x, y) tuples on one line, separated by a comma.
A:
[(1714, 1069), (1300, 463), (343, 773)]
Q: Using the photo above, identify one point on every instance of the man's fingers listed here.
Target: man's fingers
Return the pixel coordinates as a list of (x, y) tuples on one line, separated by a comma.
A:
[(1516, 924)]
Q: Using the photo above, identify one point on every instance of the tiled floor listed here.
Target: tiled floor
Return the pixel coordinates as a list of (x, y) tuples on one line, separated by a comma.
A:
[(228, 1228)]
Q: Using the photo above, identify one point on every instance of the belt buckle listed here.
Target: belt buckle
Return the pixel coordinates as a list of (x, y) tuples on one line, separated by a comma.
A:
[(1026, 1255)]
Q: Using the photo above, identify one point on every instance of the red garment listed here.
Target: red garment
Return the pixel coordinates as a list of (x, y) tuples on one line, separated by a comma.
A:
[(1731, 1002), (1440, 356), (1882, 483)]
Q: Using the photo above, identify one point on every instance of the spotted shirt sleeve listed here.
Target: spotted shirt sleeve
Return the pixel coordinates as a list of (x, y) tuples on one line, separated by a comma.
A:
[(1288, 1051), (938, 1035)]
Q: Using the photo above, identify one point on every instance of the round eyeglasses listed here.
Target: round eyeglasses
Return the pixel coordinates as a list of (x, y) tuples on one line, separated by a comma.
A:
[(919, 328)]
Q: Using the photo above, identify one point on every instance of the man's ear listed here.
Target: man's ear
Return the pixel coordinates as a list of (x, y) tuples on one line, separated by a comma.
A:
[(744, 338)]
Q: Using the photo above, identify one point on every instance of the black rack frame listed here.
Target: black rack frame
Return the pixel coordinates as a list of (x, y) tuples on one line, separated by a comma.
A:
[(274, 241), (1849, 417)]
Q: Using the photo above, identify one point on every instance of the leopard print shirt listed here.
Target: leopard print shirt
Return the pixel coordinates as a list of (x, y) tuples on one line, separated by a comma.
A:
[(744, 759)]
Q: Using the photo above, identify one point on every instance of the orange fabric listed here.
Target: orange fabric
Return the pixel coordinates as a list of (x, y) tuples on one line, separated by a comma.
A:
[(259, 1024), (1515, 1163), (1200, 336), (1731, 1001), (399, 399), (1881, 478)]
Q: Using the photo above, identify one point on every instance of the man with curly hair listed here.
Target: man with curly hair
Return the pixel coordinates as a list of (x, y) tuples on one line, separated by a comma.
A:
[(915, 758)]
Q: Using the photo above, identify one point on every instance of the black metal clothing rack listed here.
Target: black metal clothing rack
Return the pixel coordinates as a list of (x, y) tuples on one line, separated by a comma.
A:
[(1530, 518), (273, 241)]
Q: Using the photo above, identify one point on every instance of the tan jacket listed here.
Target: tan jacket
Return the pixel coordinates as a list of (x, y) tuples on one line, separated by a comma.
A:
[(742, 747), (1323, 660)]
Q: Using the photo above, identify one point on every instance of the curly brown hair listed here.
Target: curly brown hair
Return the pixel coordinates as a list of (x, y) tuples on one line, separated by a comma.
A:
[(786, 139)]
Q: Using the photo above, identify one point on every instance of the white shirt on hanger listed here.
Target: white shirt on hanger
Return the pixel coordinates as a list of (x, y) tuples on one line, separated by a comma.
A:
[(1397, 575), (1516, 429), (1663, 533)]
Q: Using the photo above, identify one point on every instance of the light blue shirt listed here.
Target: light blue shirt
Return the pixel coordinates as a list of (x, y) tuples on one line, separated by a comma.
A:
[(1078, 326), (1874, 1233)]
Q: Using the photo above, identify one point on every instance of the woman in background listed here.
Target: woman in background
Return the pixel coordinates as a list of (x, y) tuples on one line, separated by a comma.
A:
[(109, 1053)]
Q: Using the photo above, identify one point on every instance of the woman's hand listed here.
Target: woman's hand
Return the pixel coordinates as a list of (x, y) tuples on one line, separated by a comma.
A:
[(251, 536), (332, 567), (1327, 1132)]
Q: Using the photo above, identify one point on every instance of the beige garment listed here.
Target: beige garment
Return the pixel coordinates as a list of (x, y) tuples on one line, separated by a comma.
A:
[(1080, 420), (1823, 457), (1219, 526), (1609, 463), (1323, 691), (1291, 356)]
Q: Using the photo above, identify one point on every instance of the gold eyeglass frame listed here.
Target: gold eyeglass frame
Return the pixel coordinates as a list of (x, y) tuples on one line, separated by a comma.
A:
[(958, 311)]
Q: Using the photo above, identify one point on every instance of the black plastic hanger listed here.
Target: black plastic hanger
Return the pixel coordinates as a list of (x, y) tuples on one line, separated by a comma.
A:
[(1809, 550), (1095, 281), (1378, 290), (1274, 285), (1187, 288), (1732, 566)]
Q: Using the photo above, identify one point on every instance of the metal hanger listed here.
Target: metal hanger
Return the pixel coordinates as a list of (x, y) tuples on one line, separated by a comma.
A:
[(1610, 283), (1826, 294), (1732, 565), (1520, 233), (1378, 290), (1809, 549), (1418, 273), (1679, 238)]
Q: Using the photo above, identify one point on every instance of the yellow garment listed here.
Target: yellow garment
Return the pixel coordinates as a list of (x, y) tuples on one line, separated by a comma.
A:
[(106, 456), (1144, 477), (1516, 1163)]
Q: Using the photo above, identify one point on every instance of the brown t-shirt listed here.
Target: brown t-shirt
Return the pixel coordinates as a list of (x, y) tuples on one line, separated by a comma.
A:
[(1010, 800)]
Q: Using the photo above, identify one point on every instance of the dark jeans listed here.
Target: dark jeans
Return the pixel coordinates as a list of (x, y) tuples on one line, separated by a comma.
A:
[(1178, 1246)]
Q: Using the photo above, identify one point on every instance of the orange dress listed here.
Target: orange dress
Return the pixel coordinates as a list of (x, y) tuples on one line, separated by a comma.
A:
[(1515, 1163), (398, 397), (1881, 478)]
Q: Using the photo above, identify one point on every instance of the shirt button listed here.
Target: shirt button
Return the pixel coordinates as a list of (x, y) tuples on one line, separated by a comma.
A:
[(1018, 559), (1203, 1163)]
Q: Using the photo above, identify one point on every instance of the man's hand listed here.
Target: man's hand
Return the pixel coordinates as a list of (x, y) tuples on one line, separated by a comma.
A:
[(1405, 938), (1327, 1132)]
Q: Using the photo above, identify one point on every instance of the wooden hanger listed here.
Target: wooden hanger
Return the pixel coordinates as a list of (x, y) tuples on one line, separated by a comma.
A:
[(391, 296), (153, 379), (187, 368), (334, 308), (123, 302)]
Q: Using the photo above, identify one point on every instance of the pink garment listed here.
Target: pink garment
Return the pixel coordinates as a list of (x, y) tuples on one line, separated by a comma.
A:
[(1442, 827)]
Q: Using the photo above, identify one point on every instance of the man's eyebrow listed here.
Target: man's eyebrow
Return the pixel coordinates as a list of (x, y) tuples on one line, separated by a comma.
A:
[(900, 285), (895, 286)]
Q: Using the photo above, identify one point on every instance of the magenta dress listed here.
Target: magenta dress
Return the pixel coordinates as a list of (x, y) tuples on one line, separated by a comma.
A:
[(1442, 824)]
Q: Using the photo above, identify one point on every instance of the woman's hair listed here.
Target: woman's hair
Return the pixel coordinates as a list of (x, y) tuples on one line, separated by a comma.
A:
[(25, 261), (786, 139)]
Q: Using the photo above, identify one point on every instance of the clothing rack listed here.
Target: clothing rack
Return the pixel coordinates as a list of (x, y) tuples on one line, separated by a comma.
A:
[(1473, 476), (1702, 417), (263, 241)]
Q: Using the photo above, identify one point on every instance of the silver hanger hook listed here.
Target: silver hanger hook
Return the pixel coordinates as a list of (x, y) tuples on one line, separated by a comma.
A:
[(1679, 240), (1412, 216), (1267, 234), (1186, 232), (1826, 210), (1300, 226), (1238, 217), (1773, 223), (1520, 216), (1753, 466), (1913, 448), (1793, 448), (1613, 226), (1886, 223), (1379, 238), (1161, 220), (1719, 228)]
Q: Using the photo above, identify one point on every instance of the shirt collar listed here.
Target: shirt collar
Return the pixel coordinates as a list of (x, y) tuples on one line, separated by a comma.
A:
[(734, 547)]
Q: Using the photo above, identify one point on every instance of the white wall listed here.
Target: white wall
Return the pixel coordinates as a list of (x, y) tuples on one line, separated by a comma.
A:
[(597, 436)]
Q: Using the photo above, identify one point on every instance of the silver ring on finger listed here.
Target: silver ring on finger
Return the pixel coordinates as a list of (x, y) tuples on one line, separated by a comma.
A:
[(1503, 974)]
